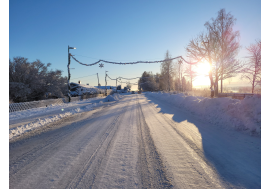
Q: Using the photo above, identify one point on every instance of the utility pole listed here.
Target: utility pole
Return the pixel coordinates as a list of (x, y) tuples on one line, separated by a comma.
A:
[(69, 98), (98, 81), (116, 85), (179, 62), (120, 83), (182, 83), (106, 83)]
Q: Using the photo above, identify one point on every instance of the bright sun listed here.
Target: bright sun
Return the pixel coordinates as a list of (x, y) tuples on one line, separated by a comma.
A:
[(202, 79), (203, 68)]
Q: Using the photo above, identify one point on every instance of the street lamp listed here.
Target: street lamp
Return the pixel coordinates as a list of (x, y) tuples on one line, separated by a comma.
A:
[(69, 98), (116, 83), (106, 83)]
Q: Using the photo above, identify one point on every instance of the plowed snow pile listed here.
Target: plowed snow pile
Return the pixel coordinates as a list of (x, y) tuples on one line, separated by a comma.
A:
[(231, 113), (114, 97)]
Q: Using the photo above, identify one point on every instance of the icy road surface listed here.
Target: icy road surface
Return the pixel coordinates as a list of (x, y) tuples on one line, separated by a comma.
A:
[(136, 142)]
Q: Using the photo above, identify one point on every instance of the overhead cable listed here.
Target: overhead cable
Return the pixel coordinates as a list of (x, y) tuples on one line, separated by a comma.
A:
[(138, 62)]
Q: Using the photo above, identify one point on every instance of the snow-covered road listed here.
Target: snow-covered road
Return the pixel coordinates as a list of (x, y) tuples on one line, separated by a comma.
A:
[(136, 142), (201, 155)]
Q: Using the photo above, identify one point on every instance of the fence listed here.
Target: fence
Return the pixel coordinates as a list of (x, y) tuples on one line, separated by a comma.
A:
[(239, 96), (44, 103)]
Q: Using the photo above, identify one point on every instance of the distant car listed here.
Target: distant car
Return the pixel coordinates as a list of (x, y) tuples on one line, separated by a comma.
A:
[(132, 92)]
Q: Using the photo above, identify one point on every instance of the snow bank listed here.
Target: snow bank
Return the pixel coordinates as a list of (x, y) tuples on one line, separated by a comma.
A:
[(231, 113), (114, 97), (41, 122), (42, 110)]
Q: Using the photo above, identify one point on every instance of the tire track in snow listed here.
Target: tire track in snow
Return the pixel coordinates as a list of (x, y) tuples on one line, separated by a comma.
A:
[(18, 163), (193, 149), (92, 165), (23, 163), (150, 165), (118, 168)]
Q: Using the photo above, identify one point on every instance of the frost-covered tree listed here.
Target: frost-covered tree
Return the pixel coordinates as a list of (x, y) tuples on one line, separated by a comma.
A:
[(167, 72), (219, 46), (179, 71), (189, 72), (252, 68), (32, 80), (184, 84), (128, 86), (147, 82)]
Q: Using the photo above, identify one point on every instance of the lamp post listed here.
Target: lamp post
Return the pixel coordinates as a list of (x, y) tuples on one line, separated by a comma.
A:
[(98, 80), (116, 83), (69, 98), (180, 62), (106, 83)]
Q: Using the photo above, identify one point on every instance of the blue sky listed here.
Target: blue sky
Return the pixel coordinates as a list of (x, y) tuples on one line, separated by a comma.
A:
[(118, 31)]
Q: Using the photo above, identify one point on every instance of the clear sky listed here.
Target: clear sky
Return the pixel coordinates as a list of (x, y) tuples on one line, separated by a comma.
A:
[(117, 30)]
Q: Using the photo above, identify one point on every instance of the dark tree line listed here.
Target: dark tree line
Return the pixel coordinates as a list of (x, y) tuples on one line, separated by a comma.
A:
[(29, 81)]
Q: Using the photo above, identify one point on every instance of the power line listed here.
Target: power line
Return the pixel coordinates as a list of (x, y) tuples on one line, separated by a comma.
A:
[(138, 62), (85, 76), (129, 78), (120, 63), (109, 58)]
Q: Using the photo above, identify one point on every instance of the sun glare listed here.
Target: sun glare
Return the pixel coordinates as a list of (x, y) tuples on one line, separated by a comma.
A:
[(203, 68), (202, 79)]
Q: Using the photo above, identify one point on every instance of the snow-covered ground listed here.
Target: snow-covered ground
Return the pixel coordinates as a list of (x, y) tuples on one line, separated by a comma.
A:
[(137, 141), (244, 115), (199, 154), (27, 120)]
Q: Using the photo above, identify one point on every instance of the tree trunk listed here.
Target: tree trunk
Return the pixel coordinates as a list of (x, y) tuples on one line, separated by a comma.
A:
[(252, 89), (216, 88)]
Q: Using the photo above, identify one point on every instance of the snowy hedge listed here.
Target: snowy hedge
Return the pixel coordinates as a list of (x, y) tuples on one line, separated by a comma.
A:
[(239, 114)]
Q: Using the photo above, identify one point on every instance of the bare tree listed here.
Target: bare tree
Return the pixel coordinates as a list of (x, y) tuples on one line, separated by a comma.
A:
[(221, 30), (252, 68), (189, 71), (219, 47), (179, 70), (128, 85), (184, 84)]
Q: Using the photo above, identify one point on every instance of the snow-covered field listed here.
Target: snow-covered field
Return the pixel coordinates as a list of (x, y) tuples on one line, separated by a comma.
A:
[(244, 115)]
